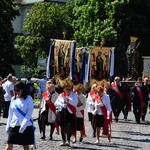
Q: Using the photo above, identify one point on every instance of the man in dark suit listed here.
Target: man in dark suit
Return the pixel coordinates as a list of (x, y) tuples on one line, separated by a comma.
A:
[(117, 98), (140, 100)]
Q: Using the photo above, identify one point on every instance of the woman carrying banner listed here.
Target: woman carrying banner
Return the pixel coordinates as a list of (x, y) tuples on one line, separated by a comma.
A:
[(48, 110), (66, 106), (80, 113), (91, 104), (19, 124), (102, 113)]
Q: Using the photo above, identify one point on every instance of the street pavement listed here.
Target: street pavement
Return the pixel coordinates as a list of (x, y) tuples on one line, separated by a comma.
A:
[(125, 136)]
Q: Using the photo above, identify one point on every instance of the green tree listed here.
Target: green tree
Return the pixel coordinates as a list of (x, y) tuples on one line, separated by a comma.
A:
[(91, 22), (44, 21), (8, 12)]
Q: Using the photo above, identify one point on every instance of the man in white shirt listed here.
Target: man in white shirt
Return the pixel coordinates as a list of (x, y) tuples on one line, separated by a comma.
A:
[(9, 93)]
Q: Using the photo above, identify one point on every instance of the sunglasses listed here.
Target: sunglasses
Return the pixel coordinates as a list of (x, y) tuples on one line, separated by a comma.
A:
[(16, 90), (68, 89)]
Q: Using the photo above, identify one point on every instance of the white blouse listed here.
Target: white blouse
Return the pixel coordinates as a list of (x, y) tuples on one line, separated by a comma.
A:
[(51, 114), (73, 100), (15, 118), (106, 102), (91, 103), (82, 107)]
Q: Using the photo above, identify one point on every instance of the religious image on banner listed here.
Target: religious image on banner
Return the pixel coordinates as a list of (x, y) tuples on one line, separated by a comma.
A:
[(62, 57), (78, 64), (81, 65), (99, 62)]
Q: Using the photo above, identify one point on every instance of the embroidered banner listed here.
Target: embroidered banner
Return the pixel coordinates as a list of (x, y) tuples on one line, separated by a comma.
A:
[(62, 57), (99, 62)]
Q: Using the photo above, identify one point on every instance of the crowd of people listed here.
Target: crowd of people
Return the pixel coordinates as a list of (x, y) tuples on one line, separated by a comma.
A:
[(63, 108)]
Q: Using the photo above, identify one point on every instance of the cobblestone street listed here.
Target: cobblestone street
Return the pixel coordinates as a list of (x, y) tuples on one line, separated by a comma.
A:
[(125, 136)]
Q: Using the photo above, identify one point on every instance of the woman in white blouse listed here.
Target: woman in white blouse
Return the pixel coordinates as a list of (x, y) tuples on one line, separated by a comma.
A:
[(102, 111), (80, 113), (20, 127), (91, 106), (66, 103), (47, 110)]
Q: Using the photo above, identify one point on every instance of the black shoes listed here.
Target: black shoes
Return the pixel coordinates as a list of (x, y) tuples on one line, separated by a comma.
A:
[(94, 134), (43, 138), (50, 138), (74, 141), (116, 120), (80, 140)]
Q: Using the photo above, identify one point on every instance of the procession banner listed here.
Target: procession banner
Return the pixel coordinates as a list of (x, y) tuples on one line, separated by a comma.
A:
[(64, 55), (111, 62), (50, 61), (72, 62), (82, 66), (99, 64), (146, 66)]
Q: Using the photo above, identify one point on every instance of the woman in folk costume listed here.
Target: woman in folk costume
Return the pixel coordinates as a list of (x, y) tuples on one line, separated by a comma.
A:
[(48, 110), (91, 104), (80, 113), (140, 100), (102, 113), (66, 104)]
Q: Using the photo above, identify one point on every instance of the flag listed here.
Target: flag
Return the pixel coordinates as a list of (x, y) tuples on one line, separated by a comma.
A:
[(50, 60), (87, 67), (72, 62), (82, 73), (111, 62)]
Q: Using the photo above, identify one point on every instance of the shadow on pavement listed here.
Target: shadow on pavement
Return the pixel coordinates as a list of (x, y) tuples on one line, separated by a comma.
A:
[(137, 140), (104, 145), (2, 124), (133, 122), (134, 133)]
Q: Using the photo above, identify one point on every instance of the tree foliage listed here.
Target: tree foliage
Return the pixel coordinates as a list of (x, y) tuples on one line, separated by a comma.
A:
[(8, 12), (91, 22), (44, 21)]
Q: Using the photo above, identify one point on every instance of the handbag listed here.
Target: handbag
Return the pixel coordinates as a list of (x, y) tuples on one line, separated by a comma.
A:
[(60, 118), (42, 116)]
